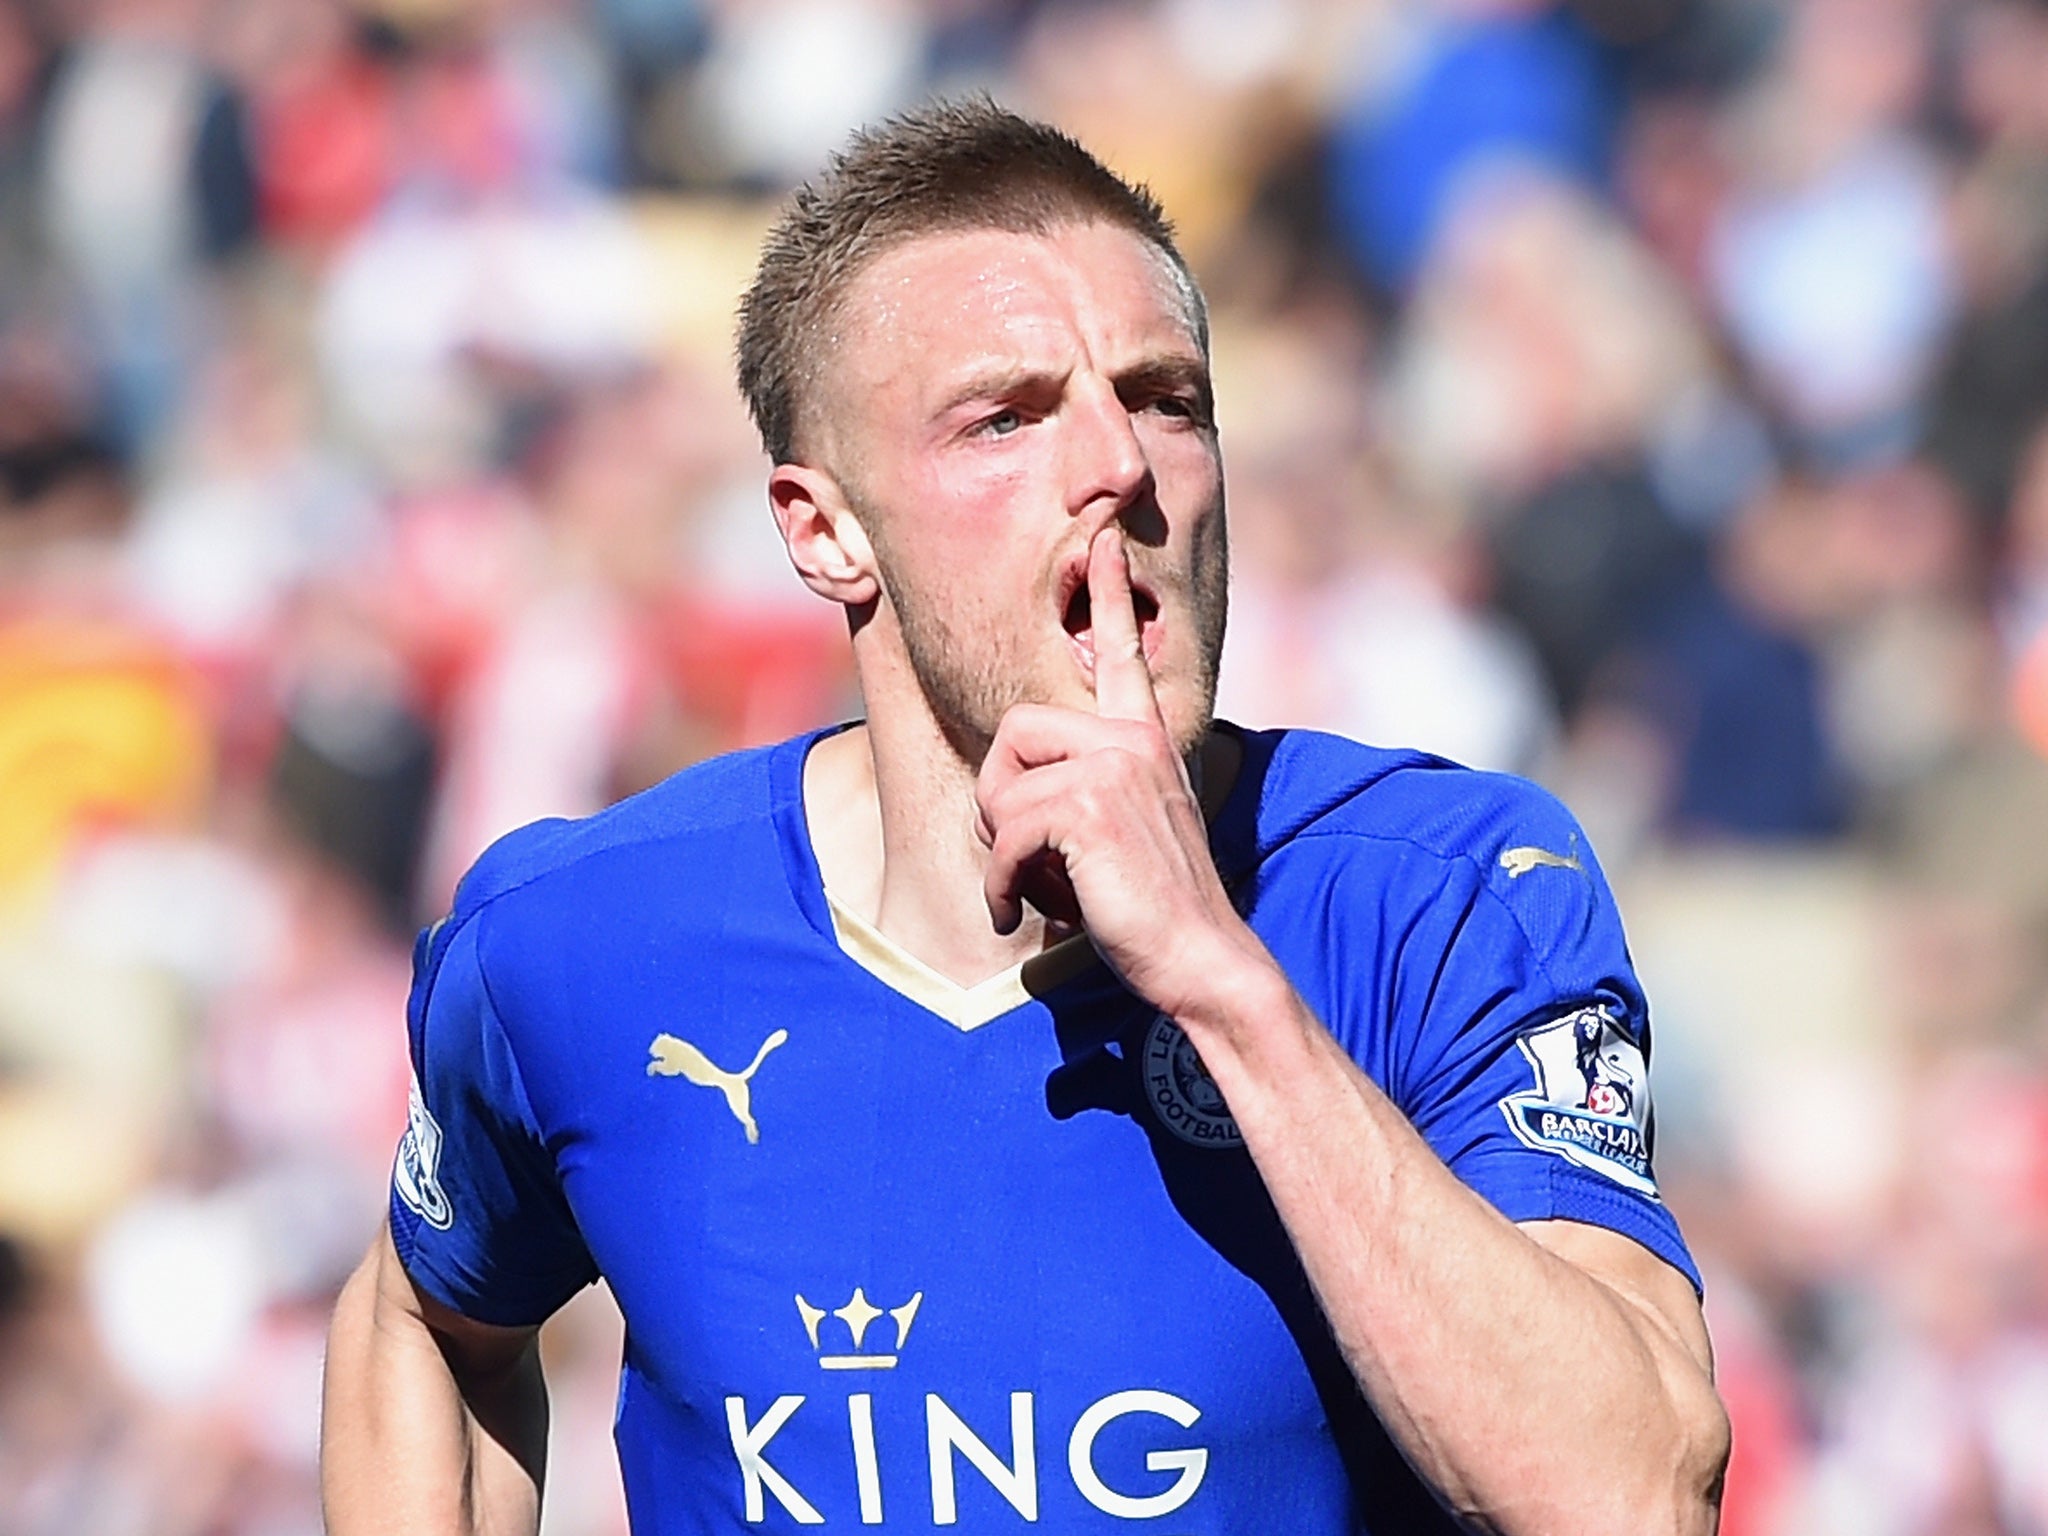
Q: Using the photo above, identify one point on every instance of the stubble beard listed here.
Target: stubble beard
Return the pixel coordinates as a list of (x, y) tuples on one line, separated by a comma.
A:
[(969, 688)]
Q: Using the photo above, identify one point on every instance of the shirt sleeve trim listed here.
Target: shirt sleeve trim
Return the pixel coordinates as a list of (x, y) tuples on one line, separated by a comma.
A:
[(1564, 1196), (535, 1300)]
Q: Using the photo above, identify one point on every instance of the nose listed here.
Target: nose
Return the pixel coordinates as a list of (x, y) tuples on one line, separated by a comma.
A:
[(1108, 471)]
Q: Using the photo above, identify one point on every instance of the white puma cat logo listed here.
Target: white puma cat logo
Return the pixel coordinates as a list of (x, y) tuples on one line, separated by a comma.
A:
[(678, 1058), (1520, 861)]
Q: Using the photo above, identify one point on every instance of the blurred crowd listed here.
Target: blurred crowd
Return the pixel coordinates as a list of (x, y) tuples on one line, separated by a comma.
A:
[(1649, 396)]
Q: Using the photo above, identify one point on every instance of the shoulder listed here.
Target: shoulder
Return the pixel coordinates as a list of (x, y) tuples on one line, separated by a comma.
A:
[(1411, 830), (1314, 785), (704, 804)]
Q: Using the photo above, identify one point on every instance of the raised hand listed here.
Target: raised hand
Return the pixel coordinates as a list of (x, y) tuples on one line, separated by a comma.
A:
[(1093, 820)]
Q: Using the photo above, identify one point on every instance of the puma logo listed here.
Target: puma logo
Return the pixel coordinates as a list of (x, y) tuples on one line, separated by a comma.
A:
[(679, 1058), (1519, 861)]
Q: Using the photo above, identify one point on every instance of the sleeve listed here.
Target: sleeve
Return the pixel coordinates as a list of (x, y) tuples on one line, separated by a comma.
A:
[(477, 1210), (1529, 1070)]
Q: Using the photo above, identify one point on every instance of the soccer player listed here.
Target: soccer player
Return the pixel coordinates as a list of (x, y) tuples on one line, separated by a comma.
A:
[(1036, 1104)]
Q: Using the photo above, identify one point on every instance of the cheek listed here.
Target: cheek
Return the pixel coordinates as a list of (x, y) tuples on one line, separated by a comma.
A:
[(956, 540), (966, 526), (1182, 461), (970, 495)]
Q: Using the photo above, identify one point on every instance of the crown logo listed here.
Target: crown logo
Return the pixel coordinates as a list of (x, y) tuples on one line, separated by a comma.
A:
[(859, 1314)]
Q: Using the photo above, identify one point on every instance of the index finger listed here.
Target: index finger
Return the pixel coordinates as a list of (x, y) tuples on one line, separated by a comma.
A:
[(1123, 683)]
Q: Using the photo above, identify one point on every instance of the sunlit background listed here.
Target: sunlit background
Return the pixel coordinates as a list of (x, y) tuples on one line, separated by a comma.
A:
[(1645, 395)]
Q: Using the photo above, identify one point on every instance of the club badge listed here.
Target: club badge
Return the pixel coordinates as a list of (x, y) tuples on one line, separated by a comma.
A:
[(1183, 1096)]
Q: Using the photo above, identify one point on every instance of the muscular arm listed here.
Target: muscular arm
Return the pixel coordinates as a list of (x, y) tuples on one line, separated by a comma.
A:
[(430, 1422), (1547, 1380), (1554, 1377)]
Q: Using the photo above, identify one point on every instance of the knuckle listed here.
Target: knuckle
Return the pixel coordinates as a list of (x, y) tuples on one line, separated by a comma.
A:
[(1098, 810), (1084, 812), (990, 791), (1007, 802), (1125, 762), (1151, 740)]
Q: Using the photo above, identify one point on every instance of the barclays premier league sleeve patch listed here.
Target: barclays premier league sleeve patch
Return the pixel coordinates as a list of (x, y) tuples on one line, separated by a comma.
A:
[(416, 1175), (1591, 1099)]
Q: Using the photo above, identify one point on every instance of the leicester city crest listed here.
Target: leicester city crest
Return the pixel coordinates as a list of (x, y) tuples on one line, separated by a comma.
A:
[(1183, 1096)]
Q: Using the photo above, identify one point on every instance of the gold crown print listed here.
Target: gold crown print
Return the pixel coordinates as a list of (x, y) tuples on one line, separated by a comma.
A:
[(859, 1314)]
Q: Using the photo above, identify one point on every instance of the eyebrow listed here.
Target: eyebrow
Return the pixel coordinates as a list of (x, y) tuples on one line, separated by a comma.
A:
[(1157, 374), (994, 384), (1166, 374)]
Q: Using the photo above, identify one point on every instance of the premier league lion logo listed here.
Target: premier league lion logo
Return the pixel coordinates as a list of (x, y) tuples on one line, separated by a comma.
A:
[(1603, 1067)]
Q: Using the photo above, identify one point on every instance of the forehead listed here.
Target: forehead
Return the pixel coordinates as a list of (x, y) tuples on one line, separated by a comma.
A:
[(1081, 292)]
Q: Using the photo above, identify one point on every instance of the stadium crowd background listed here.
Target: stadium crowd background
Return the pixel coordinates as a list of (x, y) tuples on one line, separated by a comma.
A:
[(1647, 395)]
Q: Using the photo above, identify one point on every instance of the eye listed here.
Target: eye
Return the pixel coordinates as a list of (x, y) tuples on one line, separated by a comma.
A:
[(1175, 407), (1002, 424)]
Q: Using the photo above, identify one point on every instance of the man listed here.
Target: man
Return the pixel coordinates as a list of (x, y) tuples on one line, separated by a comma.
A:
[(1036, 1104)]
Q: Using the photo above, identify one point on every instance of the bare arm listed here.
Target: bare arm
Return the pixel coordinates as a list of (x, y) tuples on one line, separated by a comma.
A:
[(430, 1422), (1548, 1380)]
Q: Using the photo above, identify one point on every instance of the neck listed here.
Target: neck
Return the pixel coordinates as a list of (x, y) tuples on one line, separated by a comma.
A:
[(892, 816)]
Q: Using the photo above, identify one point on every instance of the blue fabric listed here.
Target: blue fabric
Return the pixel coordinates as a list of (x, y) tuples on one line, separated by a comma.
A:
[(1117, 1288), (1535, 87)]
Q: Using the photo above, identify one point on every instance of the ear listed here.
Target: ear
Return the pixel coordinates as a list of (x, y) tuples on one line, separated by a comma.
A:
[(826, 542)]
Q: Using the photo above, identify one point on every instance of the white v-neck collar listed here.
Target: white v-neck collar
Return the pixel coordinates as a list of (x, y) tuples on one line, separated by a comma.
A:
[(965, 1008)]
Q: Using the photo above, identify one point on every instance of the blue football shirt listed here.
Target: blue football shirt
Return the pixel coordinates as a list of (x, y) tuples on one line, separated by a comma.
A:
[(897, 1252)]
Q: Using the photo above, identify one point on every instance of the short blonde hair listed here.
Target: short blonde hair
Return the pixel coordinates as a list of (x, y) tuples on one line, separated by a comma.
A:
[(948, 167)]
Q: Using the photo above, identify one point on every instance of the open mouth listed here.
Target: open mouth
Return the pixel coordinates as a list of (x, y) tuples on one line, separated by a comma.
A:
[(1078, 619)]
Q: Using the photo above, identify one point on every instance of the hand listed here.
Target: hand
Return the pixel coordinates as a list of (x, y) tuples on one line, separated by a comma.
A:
[(1092, 819)]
